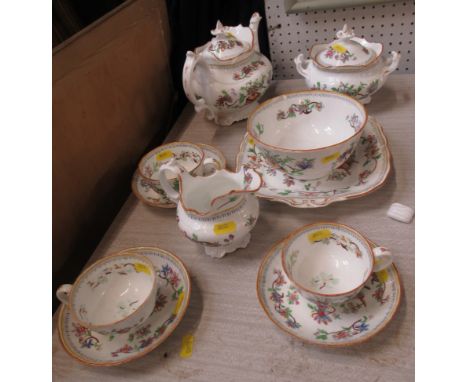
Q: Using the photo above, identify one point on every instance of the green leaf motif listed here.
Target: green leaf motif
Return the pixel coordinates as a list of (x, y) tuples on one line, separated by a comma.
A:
[(260, 128)]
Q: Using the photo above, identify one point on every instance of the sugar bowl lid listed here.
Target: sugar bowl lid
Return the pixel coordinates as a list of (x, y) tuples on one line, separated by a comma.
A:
[(229, 44), (346, 52)]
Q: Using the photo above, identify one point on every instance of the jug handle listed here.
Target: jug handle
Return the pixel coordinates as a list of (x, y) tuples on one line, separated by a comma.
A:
[(165, 184)]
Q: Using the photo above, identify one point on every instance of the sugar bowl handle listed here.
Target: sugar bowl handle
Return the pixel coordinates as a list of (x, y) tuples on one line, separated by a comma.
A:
[(391, 63), (383, 258), (165, 184), (63, 292)]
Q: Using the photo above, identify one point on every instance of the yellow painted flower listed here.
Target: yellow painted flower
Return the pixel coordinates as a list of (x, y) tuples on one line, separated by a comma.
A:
[(139, 267), (339, 48), (319, 235), (251, 141)]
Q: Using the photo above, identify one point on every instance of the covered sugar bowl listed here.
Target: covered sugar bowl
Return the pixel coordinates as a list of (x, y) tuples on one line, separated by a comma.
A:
[(225, 77), (349, 65)]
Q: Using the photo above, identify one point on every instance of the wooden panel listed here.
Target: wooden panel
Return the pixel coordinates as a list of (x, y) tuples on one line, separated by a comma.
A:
[(112, 93)]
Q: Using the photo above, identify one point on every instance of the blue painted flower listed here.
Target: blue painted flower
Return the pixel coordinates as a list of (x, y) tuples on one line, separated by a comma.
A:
[(305, 164), (361, 326), (293, 324)]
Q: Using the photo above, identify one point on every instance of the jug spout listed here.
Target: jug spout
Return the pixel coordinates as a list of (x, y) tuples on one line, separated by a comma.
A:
[(254, 21), (245, 181)]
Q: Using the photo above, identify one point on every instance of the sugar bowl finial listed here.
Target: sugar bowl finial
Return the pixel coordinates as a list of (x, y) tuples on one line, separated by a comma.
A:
[(345, 33)]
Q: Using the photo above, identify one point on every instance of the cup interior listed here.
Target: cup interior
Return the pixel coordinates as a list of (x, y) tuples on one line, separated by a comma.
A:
[(327, 259), (113, 289), (307, 120), (189, 156)]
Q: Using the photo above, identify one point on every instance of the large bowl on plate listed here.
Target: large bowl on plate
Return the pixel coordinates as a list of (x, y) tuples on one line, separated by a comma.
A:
[(307, 134)]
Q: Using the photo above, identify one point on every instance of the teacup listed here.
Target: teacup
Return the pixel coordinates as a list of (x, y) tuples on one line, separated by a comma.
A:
[(330, 262), (113, 295), (188, 155), (307, 134)]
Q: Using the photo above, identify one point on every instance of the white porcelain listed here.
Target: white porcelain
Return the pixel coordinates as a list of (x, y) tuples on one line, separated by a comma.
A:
[(226, 77), (173, 295), (217, 211), (307, 134), (332, 325), (349, 65), (114, 294), (188, 155), (400, 212), (365, 171), (330, 262), (151, 192)]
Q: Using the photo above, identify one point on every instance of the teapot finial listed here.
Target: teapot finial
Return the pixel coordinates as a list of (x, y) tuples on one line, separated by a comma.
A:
[(345, 33), (219, 29)]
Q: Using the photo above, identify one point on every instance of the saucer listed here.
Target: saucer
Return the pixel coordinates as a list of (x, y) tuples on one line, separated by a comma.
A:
[(365, 171), (96, 349), (334, 325), (153, 195)]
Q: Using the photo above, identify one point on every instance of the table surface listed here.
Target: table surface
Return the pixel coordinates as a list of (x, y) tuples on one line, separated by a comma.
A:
[(233, 338)]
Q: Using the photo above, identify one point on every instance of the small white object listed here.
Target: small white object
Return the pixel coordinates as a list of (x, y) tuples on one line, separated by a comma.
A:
[(400, 212)]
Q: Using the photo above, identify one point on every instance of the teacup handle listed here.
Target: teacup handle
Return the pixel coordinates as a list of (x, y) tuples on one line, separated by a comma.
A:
[(63, 293), (209, 166), (383, 258), (176, 169)]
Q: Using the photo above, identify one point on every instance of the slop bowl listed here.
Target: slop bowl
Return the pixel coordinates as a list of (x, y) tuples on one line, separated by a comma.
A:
[(307, 134)]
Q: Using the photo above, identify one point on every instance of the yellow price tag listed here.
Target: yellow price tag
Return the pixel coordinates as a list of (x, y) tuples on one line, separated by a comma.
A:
[(330, 157), (163, 155), (139, 267), (224, 228), (319, 235), (382, 276), (179, 304), (187, 346)]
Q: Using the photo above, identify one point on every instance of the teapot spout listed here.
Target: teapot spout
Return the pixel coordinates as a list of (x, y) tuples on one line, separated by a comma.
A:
[(254, 22)]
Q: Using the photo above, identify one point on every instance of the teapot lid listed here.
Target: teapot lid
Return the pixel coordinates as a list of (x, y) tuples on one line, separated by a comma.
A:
[(229, 44), (347, 51)]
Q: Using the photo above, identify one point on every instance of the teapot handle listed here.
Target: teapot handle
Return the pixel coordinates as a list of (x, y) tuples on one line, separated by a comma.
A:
[(391, 63), (165, 184), (190, 62)]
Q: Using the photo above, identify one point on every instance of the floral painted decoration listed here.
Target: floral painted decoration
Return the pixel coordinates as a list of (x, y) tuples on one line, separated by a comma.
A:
[(278, 299), (247, 70), (341, 240), (125, 345), (247, 94), (358, 91), (354, 121), (228, 42), (152, 166), (339, 53), (304, 107), (325, 323), (364, 170)]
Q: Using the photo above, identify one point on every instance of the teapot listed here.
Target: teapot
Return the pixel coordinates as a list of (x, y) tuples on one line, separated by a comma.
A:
[(226, 77), (349, 65), (217, 211)]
